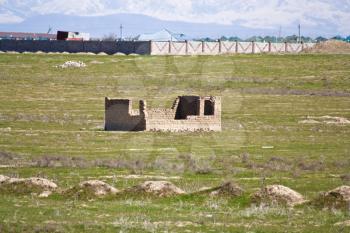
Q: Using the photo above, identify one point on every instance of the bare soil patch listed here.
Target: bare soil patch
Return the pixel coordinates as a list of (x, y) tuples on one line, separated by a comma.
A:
[(331, 47)]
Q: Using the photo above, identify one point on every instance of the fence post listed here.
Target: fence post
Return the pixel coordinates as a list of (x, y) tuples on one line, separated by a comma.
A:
[(186, 41), (203, 46), (286, 47), (100, 46), (220, 47), (84, 50), (169, 47), (302, 46), (150, 47), (270, 47), (253, 47), (236, 49)]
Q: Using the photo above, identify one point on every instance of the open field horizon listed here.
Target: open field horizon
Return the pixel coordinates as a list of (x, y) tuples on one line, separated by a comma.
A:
[(279, 121)]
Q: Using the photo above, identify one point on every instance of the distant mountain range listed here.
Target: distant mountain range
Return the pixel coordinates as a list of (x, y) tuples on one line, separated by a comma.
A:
[(135, 24)]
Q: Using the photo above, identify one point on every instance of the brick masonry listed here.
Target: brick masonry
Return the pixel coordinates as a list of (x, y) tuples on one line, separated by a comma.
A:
[(188, 113)]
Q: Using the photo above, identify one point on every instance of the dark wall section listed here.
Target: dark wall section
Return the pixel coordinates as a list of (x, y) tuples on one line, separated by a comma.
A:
[(8, 45), (92, 46), (58, 46), (139, 47), (109, 47)]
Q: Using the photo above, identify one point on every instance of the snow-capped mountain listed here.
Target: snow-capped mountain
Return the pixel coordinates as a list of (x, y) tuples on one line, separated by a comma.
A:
[(317, 17)]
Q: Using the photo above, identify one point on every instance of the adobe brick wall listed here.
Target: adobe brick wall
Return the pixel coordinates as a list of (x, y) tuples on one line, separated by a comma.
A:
[(120, 116), (188, 113)]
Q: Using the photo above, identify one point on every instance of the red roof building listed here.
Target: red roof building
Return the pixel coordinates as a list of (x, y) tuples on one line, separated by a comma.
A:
[(26, 36)]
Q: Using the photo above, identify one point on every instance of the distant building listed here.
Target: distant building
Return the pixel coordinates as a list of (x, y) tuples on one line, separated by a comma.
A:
[(64, 35), (26, 36), (163, 35)]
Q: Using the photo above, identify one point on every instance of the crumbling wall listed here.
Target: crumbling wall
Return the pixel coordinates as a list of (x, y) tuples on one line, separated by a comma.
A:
[(188, 113), (187, 106), (119, 115)]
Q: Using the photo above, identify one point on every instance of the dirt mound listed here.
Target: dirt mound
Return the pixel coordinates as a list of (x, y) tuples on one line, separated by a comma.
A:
[(27, 185), (331, 47), (92, 188), (226, 189), (278, 194), (158, 188), (336, 198)]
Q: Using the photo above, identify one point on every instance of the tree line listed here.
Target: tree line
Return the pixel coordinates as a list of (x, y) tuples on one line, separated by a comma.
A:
[(289, 39)]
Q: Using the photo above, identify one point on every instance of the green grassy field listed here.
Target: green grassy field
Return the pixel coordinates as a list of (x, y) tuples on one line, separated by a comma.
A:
[(51, 125)]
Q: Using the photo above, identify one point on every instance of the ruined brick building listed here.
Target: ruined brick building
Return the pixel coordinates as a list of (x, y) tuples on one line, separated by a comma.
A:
[(188, 113)]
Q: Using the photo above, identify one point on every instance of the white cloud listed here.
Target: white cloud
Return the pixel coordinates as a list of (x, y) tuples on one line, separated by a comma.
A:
[(6, 18), (250, 13), (81, 7)]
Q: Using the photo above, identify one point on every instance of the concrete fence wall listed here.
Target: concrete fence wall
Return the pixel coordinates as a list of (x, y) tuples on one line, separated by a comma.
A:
[(109, 47), (224, 47), (153, 47)]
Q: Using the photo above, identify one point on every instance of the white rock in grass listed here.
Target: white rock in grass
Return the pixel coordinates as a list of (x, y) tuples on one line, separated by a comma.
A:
[(45, 194), (3, 179), (72, 64)]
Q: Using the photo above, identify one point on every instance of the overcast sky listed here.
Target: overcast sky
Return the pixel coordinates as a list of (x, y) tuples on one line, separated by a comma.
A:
[(262, 14)]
